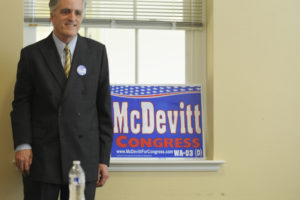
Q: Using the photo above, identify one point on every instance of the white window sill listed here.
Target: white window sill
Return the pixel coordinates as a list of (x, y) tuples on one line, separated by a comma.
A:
[(158, 165)]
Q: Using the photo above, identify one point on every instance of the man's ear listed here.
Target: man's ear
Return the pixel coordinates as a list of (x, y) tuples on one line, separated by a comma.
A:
[(51, 16)]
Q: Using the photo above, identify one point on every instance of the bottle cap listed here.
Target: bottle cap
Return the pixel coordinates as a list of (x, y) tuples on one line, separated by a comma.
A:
[(76, 162)]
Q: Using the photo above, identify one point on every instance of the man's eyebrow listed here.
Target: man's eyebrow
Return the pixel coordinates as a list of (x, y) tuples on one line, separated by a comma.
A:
[(65, 10), (68, 10)]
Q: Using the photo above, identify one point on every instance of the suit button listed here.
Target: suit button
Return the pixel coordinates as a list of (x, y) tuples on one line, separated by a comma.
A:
[(59, 111), (78, 114)]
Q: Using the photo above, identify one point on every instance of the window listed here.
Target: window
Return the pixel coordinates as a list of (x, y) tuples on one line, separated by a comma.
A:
[(120, 44), (148, 41), (161, 57)]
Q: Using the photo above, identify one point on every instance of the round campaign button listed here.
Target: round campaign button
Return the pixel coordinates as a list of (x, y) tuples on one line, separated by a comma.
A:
[(81, 70)]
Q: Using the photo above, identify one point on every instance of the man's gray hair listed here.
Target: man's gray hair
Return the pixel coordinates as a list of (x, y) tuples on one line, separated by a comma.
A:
[(53, 5)]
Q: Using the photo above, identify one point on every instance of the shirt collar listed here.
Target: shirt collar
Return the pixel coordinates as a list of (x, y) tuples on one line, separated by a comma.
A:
[(61, 45)]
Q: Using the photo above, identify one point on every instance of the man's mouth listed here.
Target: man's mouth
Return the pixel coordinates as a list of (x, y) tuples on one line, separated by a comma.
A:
[(72, 25)]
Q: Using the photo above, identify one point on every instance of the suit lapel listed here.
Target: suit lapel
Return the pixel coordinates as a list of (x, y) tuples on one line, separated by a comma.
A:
[(79, 53), (49, 52)]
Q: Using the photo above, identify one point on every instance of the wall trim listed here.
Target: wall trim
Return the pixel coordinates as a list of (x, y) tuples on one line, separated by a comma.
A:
[(131, 165)]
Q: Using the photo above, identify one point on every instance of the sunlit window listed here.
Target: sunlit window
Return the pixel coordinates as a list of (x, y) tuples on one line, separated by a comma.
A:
[(161, 57), (147, 41), (120, 44)]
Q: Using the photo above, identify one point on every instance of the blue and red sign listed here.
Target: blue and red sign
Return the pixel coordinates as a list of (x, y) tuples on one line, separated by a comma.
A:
[(157, 121)]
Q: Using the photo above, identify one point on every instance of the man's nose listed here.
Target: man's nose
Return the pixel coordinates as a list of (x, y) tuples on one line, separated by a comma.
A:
[(72, 15)]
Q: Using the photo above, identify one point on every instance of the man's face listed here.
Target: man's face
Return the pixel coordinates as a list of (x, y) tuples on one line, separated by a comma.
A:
[(67, 19)]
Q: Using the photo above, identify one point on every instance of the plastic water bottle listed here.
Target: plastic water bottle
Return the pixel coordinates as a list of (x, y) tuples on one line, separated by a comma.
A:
[(76, 182)]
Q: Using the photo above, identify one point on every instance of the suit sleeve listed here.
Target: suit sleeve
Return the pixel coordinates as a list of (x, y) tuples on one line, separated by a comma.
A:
[(104, 111), (21, 112)]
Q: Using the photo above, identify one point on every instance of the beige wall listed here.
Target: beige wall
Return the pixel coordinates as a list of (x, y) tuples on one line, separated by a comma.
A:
[(254, 67), (10, 44)]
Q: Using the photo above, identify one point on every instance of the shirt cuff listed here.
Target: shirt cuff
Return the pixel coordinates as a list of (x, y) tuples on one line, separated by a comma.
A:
[(23, 147)]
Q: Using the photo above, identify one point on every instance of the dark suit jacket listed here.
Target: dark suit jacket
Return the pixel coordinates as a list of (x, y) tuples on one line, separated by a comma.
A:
[(63, 119)]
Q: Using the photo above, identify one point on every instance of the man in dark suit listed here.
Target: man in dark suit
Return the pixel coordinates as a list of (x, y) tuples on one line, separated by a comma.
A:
[(60, 115)]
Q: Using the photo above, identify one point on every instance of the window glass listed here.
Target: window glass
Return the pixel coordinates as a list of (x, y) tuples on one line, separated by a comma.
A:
[(120, 44), (43, 32), (161, 57)]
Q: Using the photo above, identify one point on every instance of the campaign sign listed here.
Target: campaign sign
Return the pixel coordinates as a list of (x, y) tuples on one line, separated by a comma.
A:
[(157, 121)]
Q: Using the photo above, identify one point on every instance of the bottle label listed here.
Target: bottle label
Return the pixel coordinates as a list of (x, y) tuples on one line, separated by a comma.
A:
[(76, 180)]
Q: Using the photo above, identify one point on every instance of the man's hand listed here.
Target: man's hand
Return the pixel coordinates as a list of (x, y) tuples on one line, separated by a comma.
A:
[(102, 175), (24, 160)]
